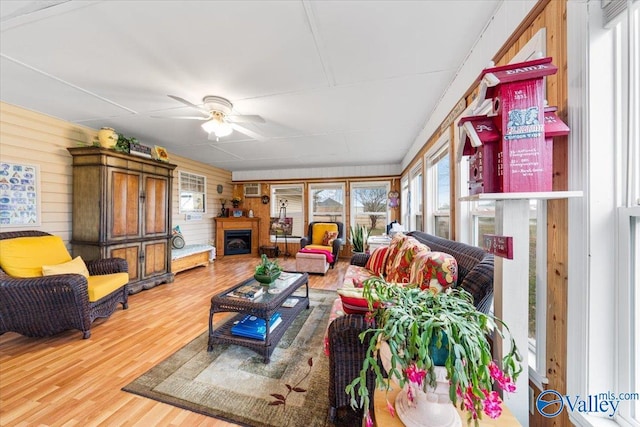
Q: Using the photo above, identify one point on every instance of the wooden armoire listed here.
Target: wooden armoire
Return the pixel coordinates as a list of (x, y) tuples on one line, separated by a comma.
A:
[(122, 208)]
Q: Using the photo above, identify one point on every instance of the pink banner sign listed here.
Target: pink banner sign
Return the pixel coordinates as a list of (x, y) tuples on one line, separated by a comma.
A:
[(501, 246)]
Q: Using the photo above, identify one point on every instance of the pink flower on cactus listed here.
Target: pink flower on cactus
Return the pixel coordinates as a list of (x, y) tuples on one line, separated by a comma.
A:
[(369, 318), (507, 385), (368, 420), (391, 409), (504, 381), (415, 374), (410, 396), (468, 400), (495, 371), (492, 404)]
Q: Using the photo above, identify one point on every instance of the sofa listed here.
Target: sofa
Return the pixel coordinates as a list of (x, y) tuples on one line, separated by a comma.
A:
[(44, 291), (430, 261), (323, 237)]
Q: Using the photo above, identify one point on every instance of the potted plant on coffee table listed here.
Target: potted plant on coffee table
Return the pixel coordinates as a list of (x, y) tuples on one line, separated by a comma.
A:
[(267, 271), (411, 328)]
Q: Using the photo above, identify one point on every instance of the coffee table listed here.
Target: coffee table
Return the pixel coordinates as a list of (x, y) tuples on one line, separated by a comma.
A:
[(263, 307)]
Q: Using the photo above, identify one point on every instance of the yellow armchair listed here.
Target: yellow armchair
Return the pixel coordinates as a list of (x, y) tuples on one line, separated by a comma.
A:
[(326, 236)]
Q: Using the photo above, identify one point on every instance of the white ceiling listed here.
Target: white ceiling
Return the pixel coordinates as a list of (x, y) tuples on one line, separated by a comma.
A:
[(339, 83)]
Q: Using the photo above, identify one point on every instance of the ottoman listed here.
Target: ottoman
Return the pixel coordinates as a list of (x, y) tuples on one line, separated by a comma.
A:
[(311, 263)]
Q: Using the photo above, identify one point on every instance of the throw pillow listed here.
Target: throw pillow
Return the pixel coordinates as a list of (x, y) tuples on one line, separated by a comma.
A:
[(353, 302), (397, 241), (75, 266), (435, 271), (377, 261), (329, 237), (400, 271)]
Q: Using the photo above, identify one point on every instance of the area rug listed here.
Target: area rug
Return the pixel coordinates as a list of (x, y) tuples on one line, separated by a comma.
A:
[(232, 382)]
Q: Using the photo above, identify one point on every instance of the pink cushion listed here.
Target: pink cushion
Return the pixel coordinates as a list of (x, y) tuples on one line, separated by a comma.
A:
[(377, 261), (434, 270)]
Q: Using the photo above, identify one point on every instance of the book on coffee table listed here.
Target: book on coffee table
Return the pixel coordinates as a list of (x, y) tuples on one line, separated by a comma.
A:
[(290, 302), (254, 327), (249, 292)]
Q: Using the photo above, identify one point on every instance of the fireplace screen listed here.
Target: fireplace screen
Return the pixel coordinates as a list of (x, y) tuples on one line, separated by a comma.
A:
[(237, 242)]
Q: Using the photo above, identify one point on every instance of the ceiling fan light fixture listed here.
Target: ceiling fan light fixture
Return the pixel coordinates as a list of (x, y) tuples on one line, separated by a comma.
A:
[(219, 128)]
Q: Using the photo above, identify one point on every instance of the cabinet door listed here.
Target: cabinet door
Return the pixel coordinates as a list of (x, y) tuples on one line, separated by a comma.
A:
[(155, 258), (124, 192), (156, 208), (131, 253)]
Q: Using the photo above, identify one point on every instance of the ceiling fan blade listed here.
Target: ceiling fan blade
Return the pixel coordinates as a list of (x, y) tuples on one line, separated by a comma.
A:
[(182, 117), (245, 118), (189, 104), (248, 132)]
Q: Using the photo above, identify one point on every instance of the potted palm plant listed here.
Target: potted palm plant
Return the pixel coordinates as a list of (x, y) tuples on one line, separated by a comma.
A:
[(267, 271), (358, 237), (433, 340)]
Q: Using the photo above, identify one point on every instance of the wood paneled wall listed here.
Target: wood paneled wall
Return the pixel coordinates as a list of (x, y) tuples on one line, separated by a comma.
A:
[(262, 211), (34, 138)]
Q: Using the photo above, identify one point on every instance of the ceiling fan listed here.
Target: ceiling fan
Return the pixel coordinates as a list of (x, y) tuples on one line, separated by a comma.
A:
[(218, 120)]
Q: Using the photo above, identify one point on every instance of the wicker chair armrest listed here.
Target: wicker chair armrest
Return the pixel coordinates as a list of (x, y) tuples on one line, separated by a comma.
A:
[(44, 306), (346, 356), (304, 242), (107, 266), (45, 289), (360, 259)]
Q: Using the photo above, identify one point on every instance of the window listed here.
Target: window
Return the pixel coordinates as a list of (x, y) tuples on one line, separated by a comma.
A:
[(286, 201), (439, 189), (369, 206), (193, 192), (326, 202), (603, 320), (416, 221), (405, 201)]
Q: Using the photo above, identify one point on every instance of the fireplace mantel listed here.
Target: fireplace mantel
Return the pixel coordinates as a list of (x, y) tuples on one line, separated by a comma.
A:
[(242, 223)]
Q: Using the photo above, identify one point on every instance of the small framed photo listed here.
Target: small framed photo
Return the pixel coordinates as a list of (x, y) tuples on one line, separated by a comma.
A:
[(161, 153), (236, 213)]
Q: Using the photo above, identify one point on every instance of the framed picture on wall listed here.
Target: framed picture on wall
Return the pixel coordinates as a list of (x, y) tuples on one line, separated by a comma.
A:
[(19, 195)]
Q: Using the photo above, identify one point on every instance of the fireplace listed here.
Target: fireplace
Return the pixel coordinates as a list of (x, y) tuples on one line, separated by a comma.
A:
[(244, 224), (237, 242)]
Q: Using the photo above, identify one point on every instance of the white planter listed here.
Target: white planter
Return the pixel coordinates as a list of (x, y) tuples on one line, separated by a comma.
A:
[(430, 408)]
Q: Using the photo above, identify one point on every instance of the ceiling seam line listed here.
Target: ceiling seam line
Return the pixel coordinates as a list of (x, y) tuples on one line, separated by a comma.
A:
[(66, 83), (308, 10)]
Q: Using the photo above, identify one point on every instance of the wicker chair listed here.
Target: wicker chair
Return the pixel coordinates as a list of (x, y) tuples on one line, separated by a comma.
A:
[(346, 352), (44, 306)]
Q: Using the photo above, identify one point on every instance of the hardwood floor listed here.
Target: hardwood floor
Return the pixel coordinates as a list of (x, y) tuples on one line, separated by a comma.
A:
[(65, 381)]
